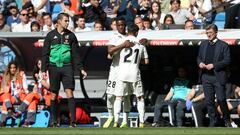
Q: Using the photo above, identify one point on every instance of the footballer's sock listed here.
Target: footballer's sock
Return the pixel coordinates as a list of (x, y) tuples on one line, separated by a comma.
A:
[(141, 109), (110, 103), (117, 108), (72, 109), (110, 113), (125, 117), (54, 109)]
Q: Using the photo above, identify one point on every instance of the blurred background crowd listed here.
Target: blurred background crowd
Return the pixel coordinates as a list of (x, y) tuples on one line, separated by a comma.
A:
[(100, 15)]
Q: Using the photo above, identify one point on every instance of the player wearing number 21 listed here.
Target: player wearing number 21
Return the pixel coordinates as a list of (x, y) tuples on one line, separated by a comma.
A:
[(129, 80)]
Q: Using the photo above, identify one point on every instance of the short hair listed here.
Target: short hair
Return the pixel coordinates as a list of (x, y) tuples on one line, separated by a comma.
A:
[(120, 19), (35, 23), (132, 28), (146, 19), (61, 15), (79, 16), (46, 14), (97, 22), (212, 26), (188, 21), (178, 1)]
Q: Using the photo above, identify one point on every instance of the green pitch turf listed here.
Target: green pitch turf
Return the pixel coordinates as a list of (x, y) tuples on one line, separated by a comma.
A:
[(113, 131)]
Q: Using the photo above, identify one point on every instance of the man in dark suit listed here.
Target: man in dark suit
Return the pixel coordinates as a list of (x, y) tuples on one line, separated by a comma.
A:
[(213, 59)]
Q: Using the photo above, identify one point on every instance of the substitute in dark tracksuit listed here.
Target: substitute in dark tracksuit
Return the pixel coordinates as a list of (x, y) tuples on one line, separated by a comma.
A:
[(60, 55)]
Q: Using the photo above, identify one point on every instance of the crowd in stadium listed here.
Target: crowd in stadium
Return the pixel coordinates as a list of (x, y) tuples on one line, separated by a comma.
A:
[(100, 15)]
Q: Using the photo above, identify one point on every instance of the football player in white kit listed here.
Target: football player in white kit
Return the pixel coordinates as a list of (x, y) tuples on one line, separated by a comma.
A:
[(128, 79), (115, 44)]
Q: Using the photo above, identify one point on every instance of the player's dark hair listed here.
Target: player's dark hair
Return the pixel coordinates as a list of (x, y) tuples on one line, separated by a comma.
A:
[(132, 28)]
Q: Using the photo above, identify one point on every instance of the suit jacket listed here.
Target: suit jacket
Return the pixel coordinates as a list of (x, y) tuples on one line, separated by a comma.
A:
[(220, 61)]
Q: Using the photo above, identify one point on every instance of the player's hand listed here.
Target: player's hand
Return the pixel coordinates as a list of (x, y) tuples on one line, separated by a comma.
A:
[(128, 44), (202, 65), (84, 73), (209, 66), (143, 41), (109, 56)]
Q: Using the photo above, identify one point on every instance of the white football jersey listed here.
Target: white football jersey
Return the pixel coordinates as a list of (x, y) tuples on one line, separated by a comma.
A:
[(116, 39), (130, 59)]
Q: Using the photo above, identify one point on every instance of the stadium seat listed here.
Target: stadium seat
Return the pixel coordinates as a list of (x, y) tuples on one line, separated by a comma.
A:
[(42, 119), (220, 20), (56, 10)]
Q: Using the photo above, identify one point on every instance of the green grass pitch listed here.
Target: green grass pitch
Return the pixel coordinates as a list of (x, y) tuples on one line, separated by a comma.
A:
[(118, 131)]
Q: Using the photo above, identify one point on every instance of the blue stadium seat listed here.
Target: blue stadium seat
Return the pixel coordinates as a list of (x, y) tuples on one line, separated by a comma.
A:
[(56, 10), (42, 119), (220, 20)]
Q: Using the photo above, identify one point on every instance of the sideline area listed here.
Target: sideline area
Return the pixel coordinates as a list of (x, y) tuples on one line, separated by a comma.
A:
[(118, 131)]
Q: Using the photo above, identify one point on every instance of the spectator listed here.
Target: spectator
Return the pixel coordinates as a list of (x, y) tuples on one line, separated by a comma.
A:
[(111, 8), (189, 25), (168, 19), (113, 24), (180, 15), (176, 99), (147, 24), (199, 8), (139, 22), (128, 10), (30, 8), (165, 6), (232, 14), (3, 26), (144, 8), (66, 4), (80, 21), (47, 22), (14, 87), (98, 26), (24, 25), (14, 18), (93, 13), (155, 15), (77, 6), (41, 6), (35, 26)]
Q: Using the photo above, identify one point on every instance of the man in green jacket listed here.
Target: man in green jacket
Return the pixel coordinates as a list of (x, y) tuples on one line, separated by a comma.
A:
[(60, 57)]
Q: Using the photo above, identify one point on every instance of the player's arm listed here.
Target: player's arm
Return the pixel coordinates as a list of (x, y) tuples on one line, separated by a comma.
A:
[(145, 61), (112, 49)]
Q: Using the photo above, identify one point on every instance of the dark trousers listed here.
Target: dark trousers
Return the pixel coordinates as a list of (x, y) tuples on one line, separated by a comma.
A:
[(177, 108), (211, 86), (200, 111), (158, 109), (233, 16)]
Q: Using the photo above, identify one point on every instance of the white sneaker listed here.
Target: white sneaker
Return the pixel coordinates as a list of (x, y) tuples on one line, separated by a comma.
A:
[(234, 125)]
